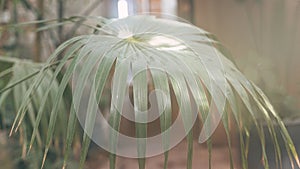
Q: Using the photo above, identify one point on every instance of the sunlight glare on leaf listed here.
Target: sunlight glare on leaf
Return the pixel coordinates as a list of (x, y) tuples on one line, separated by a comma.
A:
[(166, 43)]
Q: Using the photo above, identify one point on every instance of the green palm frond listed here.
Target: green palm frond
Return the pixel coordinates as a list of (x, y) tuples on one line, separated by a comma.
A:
[(19, 78), (177, 58)]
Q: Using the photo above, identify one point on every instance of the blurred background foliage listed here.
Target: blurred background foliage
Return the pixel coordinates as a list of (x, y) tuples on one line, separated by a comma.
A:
[(262, 36)]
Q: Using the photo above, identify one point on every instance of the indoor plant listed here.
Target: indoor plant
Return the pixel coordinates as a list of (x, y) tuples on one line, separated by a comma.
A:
[(179, 57), (20, 71)]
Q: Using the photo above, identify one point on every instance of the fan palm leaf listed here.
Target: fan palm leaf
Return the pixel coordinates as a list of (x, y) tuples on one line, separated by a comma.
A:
[(174, 57)]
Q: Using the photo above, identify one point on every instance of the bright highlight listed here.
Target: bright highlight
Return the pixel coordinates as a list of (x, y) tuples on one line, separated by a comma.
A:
[(122, 8)]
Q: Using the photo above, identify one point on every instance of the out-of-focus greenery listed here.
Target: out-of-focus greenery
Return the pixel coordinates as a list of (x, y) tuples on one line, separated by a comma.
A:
[(284, 103), (20, 71)]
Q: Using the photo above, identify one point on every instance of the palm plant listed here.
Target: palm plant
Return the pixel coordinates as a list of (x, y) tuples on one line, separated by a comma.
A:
[(176, 58), (21, 72)]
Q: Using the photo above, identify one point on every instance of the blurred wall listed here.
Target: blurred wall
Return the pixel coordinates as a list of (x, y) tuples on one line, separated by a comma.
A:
[(263, 37)]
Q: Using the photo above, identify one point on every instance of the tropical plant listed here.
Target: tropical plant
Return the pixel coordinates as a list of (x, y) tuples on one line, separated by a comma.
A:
[(21, 72), (175, 57)]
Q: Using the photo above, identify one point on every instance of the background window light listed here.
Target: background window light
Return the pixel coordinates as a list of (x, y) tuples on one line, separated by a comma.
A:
[(122, 8)]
